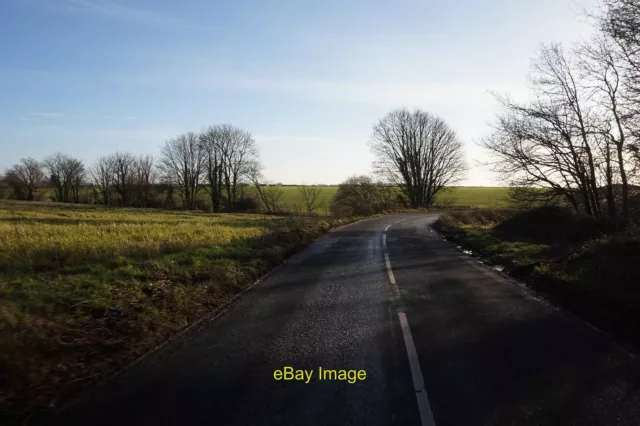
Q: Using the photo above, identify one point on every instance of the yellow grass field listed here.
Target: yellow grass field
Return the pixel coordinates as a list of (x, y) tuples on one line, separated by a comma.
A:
[(83, 288)]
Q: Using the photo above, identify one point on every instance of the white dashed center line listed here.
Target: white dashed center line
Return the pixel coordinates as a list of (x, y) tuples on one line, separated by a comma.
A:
[(426, 416)]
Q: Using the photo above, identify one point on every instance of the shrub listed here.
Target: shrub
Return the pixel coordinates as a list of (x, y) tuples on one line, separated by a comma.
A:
[(246, 204), (553, 224), (361, 196)]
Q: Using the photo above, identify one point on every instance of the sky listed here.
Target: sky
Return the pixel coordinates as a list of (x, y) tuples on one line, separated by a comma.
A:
[(308, 79)]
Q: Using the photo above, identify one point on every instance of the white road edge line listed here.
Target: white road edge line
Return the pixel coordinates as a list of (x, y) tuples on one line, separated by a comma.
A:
[(426, 416), (397, 221)]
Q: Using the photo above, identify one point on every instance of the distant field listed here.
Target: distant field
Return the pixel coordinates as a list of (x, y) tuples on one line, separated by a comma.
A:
[(477, 196), (460, 196), (82, 286), (292, 199)]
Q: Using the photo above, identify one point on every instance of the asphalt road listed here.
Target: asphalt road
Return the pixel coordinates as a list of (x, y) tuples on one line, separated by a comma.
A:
[(452, 342)]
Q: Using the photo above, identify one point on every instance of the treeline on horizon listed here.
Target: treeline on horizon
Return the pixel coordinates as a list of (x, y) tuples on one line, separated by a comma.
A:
[(221, 162), (219, 170)]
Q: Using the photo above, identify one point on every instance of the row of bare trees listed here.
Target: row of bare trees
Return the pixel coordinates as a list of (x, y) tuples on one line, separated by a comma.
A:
[(117, 179), (62, 172), (577, 140), (222, 162), (123, 179)]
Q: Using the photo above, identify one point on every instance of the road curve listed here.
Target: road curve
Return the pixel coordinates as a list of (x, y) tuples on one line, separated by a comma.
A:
[(443, 339)]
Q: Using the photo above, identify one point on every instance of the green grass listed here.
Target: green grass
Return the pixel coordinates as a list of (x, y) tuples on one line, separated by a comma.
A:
[(481, 197), (84, 289), (476, 231)]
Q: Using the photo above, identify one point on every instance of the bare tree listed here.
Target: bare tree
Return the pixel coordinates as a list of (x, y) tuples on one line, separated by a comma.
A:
[(270, 195), (556, 80), (211, 140), (620, 23), (103, 176), (600, 61), (144, 177), (418, 152), (123, 174), (568, 143), (3, 186), (124, 165), (182, 162), (66, 174), (25, 178), (311, 197), (239, 154)]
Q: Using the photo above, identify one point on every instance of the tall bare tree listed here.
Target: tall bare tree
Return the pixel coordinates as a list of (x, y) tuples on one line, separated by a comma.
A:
[(3, 185), (211, 140), (602, 67), (239, 154), (66, 174), (25, 178), (620, 22), (124, 165), (570, 142), (103, 176), (182, 162), (418, 152), (144, 177)]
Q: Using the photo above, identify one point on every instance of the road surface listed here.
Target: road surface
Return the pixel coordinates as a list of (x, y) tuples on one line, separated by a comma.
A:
[(443, 340)]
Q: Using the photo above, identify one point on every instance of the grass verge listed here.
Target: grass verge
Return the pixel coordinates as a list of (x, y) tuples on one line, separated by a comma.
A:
[(585, 265), (85, 290)]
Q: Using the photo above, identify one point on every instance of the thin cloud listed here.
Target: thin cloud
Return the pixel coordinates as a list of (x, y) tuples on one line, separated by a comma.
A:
[(127, 117), (113, 10), (155, 135), (372, 92), (287, 139), (381, 92), (45, 114)]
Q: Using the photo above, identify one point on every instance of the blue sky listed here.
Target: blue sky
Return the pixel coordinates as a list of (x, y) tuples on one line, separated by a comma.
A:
[(307, 78)]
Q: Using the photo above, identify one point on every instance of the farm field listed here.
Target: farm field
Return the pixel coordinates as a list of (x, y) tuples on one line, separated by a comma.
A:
[(458, 196), (484, 197), (84, 288), (476, 196)]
